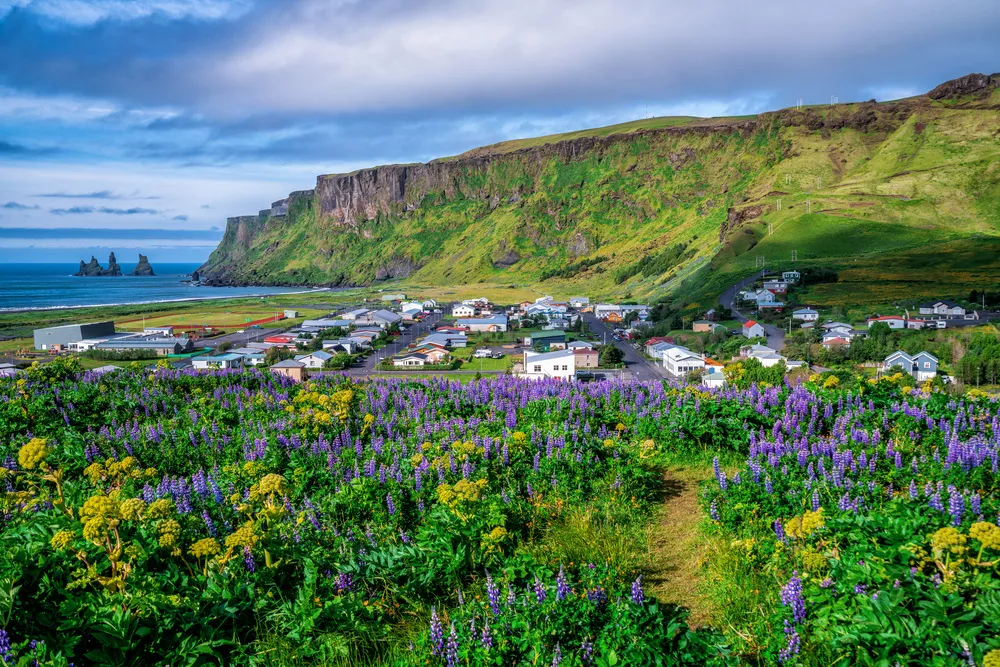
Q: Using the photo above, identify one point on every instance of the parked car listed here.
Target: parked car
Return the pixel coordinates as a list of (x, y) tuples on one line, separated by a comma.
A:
[(497, 355), (482, 353)]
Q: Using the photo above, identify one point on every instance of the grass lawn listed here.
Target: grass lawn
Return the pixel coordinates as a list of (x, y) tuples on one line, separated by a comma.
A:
[(488, 364)]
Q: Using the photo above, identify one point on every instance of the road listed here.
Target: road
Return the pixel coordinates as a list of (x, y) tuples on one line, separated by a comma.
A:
[(636, 365), (775, 335), (240, 339)]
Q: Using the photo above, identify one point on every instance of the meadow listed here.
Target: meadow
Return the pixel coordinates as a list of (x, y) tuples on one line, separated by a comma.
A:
[(159, 516)]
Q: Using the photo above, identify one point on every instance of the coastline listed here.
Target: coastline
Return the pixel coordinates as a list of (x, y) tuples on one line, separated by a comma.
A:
[(154, 301)]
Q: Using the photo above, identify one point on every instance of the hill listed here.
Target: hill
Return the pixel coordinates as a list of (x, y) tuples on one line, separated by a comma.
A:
[(901, 198)]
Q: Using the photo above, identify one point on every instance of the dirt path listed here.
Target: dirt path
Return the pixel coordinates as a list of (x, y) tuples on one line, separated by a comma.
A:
[(676, 548)]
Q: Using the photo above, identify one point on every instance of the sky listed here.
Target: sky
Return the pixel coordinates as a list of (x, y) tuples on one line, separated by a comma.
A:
[(141, 125)]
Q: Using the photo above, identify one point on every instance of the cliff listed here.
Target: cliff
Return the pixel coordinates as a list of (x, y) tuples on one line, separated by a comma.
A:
[(143, 268), (586, 208), (94, 268)]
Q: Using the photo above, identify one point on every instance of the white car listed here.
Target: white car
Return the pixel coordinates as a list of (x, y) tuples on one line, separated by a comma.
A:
[(482, 353)]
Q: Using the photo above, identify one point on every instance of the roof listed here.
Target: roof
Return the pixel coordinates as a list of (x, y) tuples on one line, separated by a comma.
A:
[(288, 363), (548, 334), (882, 318), (677, 353), (702, 322), (319, 354), (231, 356), (713, 362), (578, 344), (327, 324), (413, 355), (836, 341), (548, 356), (805, 310), (496, 319), (386, 315), (946, 302), (750, 323)]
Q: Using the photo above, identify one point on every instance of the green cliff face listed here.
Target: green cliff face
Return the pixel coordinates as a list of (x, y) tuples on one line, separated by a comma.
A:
[(656, 207)]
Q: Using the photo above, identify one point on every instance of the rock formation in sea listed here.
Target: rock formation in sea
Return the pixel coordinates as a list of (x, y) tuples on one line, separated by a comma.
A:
[(143, 268), (94, 268)]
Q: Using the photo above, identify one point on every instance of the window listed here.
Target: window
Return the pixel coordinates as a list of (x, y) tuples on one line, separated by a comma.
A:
[(927, 364), (565, 367), (538, 369)]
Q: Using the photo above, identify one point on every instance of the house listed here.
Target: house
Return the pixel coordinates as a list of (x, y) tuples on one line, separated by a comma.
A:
[(556, 323), (462, 310), (586, 357), (656, 350), (752, 329), (385, 318), (577, 344), (295, 370), (679, 361), (835, 342), (944, 307), (805, 314), (922, 366), (230, 360), (713, 380), (835, 326), (281, 340), (654, 341), (315, 359), (434, 354), (355, 314), (159, 331), (765, 355), (290, 314), (348, 345), (410, 360), (776, 286), (916, 324), (892, 321), (62, 336), (703, 326), (253, 359), (560, 365), (547, 340), (603, 311), (160, 345), (322, 324), (488, 324), (579, 302), (791, 276)]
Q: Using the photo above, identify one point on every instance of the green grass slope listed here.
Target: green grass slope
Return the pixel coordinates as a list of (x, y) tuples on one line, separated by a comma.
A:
[(902, 199)]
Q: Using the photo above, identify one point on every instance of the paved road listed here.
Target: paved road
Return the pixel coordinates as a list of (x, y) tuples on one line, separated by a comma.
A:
[(240, 339), (775, 335), (636, 365)]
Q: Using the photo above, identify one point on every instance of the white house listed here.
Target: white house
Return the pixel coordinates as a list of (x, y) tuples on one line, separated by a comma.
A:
[(386, 318), (922, 366), (560, 365), (805, 314), (892, 321), (410, 360), (713, 380), (485, 324), (463, 310), (231, 360), (355, 314), (944, 307), (791, 276), (753, 329), (348, 345), (579, 301), (314, 359), (162, 331), (320, 325), (776, 286), (679, 361), (765, 355), (579, 344)]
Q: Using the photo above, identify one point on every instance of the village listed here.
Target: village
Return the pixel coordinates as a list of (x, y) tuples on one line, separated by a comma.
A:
[(759, 331)]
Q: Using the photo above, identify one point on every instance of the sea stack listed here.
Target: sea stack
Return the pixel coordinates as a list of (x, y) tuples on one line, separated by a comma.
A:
[(94, 268), (143, 268)]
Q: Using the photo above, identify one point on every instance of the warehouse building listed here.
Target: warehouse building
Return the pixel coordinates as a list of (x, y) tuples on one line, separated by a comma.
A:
[(59, 338)]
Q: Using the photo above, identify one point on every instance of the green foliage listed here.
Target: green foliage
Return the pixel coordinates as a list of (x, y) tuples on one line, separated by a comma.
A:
[(659, 263)]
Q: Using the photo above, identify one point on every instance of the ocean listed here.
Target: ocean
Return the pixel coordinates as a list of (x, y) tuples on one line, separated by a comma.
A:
[(34, 286)]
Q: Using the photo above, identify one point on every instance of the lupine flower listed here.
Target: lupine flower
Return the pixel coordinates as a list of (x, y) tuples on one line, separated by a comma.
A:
[(638, 597), (493, 594), (436, 633), (389, 504), (451, 650), (5, 648), (791, 597), (779, 530), (248, 561), (486, 637), (587, 652), (556, 656), (539, 589), (793, 643), (713, 510), (562, 586)]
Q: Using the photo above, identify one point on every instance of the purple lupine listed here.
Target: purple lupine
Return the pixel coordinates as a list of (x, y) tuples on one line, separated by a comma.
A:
[(860, 589), (451, 649), (539, 589), (556, 656), (815, 501), (437, 634), (597, 596), (248, 561), (587, 652), (638, 597), (779, 530), (791, 597), (562, 586), (913, 490), (956, 507), (793, 643), (486, 637), (713, 510), (391, 506), (493, 593), (5, 648)]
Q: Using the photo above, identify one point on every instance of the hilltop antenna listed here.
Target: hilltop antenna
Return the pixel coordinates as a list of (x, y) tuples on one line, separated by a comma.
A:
[(799, 105), (834, 100), (795, 255), (777, 204), (809, 206), (770, 229), (788, 179)]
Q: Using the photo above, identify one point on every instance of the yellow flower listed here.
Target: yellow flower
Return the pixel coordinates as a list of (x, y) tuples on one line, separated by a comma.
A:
[(948, 538), (271, 484), (204, 548), (33, 453), (94, 472), (99, 507), (170, 532), (992, 659), (987, 534), (131, 509), (831, 382), (61, 540), (519, 437), (245, 536), (160, 509), (95, 530), (804, 526)]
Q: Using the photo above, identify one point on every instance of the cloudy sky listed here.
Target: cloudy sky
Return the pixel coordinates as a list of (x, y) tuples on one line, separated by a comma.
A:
[(140, 125)]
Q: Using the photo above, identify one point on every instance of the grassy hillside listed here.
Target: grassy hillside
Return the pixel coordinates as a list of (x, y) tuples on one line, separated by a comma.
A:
[(902, 199)]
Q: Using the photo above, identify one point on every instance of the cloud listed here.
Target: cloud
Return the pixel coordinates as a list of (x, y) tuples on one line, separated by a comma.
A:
[(84, 210), (57, 233), (89, 12), (181, 218), (100, 194), (205, 207), (17, 206)]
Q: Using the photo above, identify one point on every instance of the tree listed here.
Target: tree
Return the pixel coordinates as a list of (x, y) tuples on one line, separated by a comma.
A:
[(339, 361), (274, 355), (225, 346), (610, 355)]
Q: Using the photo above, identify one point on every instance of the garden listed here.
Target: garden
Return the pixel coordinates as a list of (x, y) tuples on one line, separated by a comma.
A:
[(163, 516)]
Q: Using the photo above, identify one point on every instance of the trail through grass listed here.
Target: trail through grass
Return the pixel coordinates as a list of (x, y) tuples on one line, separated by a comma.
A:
[(677, 544)]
